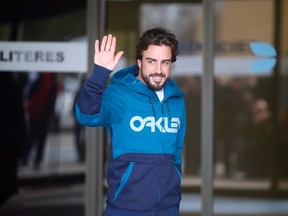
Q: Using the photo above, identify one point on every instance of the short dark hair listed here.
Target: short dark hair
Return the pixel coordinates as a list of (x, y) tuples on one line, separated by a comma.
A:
[(157, 36)]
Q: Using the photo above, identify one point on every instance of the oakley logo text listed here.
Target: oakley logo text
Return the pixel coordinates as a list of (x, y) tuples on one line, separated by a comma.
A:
[(137, 124)]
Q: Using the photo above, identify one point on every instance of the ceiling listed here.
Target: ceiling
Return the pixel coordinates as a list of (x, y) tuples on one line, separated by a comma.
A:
[(21, 10)]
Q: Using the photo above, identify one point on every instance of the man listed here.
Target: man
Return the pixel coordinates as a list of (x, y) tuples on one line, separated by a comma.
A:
[(144, 113)]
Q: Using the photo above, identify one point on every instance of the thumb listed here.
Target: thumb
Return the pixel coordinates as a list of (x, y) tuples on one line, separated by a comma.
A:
[(118, 56)]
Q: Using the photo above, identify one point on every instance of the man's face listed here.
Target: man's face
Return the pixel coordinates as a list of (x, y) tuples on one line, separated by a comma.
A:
[(155, 66)]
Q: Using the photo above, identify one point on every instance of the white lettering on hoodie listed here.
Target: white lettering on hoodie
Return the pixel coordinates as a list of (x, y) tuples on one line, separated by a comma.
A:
[(137, 123)]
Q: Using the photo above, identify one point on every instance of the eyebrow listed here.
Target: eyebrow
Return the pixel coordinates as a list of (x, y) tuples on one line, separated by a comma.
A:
[(149, 58)]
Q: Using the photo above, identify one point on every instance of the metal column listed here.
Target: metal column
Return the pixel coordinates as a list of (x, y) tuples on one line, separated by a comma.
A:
[(94, 137), (207, 110)]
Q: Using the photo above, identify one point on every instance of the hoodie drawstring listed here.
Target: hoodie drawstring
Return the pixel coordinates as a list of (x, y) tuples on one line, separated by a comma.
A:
[(153, 108), (154, 111), (168, 109)]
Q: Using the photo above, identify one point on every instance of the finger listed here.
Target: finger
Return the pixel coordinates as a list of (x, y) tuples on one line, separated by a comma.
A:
[(118, 56), (108, 44), (97, 46), (113, 45), (103, 43)]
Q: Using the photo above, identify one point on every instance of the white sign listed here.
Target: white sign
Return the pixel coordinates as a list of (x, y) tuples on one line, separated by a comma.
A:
[(43, 56)]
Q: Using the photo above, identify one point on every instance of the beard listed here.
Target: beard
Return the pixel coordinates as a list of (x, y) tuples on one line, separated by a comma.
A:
[(155, 86)]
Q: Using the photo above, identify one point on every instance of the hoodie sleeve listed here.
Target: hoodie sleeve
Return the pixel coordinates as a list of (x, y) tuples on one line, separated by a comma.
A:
[(92, 107)]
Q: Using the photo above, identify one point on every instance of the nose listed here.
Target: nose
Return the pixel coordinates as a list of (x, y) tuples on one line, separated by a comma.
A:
[(159, 68)]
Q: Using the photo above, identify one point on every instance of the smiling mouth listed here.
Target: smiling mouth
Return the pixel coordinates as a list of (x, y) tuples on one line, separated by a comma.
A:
[(157, 77)]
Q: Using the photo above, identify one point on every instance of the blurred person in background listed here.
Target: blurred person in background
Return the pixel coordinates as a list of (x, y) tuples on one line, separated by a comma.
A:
[(41, 92), (260, 145)]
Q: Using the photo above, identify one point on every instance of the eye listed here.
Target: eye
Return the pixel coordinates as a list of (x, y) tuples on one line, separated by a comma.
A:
[(150, 61), (166, 62)]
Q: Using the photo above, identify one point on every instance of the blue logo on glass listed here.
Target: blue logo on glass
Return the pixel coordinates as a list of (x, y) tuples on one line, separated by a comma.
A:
[(268, 57)]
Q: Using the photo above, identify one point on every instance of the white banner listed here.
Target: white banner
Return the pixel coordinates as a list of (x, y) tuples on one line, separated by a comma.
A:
[(43, 56)]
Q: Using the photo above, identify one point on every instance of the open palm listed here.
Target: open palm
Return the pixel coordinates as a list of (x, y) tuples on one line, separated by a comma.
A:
[(105, 54)]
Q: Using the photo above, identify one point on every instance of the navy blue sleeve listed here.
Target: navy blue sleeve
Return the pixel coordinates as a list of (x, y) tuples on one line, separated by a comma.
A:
[(90, 96)]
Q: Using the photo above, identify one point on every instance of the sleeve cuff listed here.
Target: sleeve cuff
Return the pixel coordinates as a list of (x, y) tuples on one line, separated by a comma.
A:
[(100, 75)]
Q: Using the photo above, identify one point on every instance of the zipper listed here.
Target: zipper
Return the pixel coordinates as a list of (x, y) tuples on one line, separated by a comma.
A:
[(162, 156), (162, 128), (158, 193)]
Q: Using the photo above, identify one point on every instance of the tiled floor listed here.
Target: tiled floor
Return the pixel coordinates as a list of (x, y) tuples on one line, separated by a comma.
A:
[(60, 158), (236, 205), (70, 201)]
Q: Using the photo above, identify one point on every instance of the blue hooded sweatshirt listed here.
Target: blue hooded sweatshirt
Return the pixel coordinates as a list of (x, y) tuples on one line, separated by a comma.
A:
[(147, 136)]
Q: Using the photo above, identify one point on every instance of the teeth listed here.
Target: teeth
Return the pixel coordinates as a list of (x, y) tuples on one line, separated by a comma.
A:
[(158, 76), (157, 79)]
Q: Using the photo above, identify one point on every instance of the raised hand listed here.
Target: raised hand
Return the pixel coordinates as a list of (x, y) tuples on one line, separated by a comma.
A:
[(104, 55)]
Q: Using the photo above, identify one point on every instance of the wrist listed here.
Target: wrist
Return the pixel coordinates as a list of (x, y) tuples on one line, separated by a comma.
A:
[(100, 74)]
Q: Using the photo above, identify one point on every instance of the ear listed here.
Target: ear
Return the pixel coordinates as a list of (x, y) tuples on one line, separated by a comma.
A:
[(139, 63)]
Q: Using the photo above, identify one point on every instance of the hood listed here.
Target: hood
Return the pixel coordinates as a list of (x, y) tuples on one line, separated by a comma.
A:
[(121, 74), (128, 77)]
